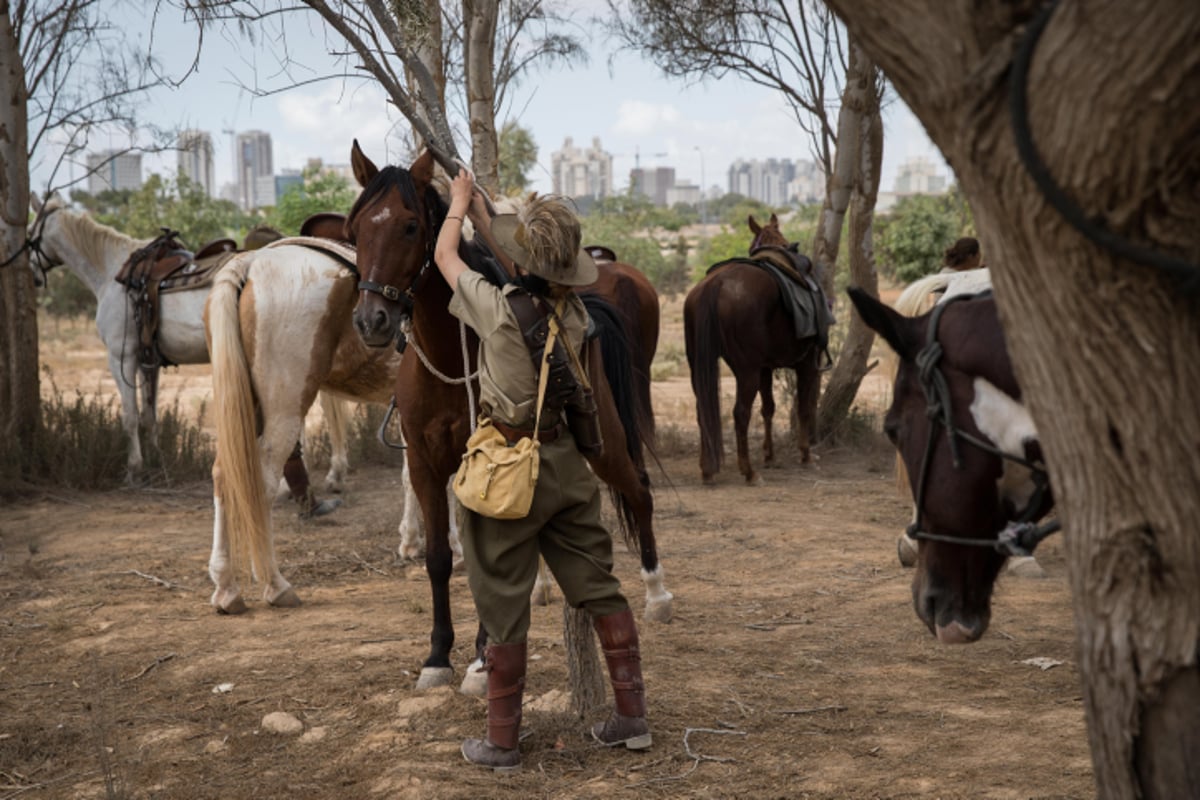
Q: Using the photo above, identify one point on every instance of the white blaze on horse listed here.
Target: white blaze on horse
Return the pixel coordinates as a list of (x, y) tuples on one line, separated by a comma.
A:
[(95, 253)]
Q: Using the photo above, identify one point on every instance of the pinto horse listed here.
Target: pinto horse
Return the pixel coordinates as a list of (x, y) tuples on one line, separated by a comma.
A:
[(395, 223), (737, 312), (279, 330), (95, 254), (958, 423)]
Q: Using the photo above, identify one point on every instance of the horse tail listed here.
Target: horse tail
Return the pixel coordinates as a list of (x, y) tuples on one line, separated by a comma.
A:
[(242, 489), (702, 338), (619, 372)]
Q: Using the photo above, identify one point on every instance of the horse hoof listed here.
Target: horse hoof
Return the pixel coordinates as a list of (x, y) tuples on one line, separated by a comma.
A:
[(235, 605), (660, 610), (286, 599), (1025, 567), (432, 677), (906, 551), (754, 479), (322, 508), (474, 683)]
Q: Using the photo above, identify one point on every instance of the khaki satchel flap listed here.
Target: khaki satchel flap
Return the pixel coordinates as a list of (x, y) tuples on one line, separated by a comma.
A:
[(496, 480)]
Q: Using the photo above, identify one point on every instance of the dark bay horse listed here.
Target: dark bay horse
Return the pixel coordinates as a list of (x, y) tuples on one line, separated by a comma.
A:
[(395, 223), (737, 313), (971, 452)]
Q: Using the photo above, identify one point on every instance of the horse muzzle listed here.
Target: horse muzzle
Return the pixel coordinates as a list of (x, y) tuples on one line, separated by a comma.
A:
[(375, 326)]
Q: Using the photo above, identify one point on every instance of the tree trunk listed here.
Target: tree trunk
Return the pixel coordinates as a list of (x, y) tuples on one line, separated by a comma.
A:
[(20, 405), (1107, 350), (479, 44), (585, 675), (428, 50), (862, 97)]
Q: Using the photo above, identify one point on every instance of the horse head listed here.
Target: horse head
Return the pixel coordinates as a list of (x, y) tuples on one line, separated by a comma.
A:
[(394, 223), (41, 235), (970, 449), (767, 235)]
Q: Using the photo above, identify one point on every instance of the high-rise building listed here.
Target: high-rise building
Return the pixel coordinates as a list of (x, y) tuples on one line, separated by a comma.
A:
[(777, 182), (654, 183), (919, 176), (255, 176), (196, 159), (112, 169), (582, 173)]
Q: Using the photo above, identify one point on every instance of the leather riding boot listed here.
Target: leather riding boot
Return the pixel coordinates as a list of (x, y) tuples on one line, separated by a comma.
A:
[(505, 665), (627, 724)]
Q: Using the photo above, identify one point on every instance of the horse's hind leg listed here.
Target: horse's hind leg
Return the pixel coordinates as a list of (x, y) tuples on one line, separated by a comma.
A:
[(767, 393), (277, 443), (226, 597), (747, 390)]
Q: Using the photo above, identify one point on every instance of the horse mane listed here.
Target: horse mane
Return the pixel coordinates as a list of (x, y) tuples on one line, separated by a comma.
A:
[(95, 240)]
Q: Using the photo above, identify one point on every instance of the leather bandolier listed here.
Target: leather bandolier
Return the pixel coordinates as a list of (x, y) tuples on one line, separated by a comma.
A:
[(564, 391)]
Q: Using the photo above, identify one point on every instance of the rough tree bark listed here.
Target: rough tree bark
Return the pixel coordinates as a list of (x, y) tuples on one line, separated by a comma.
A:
[(861, 99), (479, 46), (427, 48), (1107, 350), (20, 405)]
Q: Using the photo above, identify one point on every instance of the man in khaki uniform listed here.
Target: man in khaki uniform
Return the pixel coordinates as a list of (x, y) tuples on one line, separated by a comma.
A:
[(563, 524)]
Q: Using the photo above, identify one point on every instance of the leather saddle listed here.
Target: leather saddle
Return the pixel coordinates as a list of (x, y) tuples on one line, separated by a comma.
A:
[(601, 253), (326, 225), (166, 265)]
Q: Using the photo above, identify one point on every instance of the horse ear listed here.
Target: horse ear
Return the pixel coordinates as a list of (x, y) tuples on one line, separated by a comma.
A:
[(755, 228), (774, 219), (364, 168), (422, 169), (895, 328)]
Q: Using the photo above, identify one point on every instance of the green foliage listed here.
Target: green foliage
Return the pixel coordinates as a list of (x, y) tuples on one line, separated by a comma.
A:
[(320, 191), (518, 155), (179, 205), (914, 235), (626, 224), (728, 243)]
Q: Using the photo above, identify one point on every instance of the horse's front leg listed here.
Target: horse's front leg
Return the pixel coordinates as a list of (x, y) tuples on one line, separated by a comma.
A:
[(767, 393), (125, 374), (747, 390), (336, 414), (474, 683), (150, 405), (430, 489), (808, 389)]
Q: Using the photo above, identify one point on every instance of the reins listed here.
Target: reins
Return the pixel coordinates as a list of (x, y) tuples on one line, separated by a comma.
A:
[(33, 244), (1018, 538)]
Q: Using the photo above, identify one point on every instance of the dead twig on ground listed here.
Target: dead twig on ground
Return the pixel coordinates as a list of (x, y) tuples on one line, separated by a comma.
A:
[(696, 757), (798, 711), (155, 579), (149, 667)]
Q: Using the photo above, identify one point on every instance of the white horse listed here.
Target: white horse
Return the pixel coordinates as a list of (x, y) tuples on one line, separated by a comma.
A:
[(95, 253), (917, 298)]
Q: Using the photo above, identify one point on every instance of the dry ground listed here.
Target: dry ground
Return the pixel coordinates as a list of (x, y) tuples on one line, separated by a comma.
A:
[(795, 666)]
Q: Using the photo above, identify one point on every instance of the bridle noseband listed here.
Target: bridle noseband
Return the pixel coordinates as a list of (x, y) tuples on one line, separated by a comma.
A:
[(1018, 538), (405, 297), (33, 244)]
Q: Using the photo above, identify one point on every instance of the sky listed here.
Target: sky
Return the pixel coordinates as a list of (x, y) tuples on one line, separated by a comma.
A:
[(639, 116)]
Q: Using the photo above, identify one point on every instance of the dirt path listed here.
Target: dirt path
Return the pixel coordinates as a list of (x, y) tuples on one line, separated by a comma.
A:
[(795, 666)]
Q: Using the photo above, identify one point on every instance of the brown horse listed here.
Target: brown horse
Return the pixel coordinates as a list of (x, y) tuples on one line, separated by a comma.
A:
[(737, 312), (971, 450), (395, 223)]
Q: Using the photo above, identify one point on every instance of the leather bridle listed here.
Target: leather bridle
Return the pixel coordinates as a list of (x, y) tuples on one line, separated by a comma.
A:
[(1019, 537), (33, 244), (405, 296)]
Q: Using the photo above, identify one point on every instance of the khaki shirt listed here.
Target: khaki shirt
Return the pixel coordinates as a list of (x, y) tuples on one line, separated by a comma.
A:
[(507, 380)]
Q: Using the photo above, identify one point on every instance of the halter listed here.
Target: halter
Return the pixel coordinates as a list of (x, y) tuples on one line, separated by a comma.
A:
[(34, 245), (1018, 538), (396, 294)]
